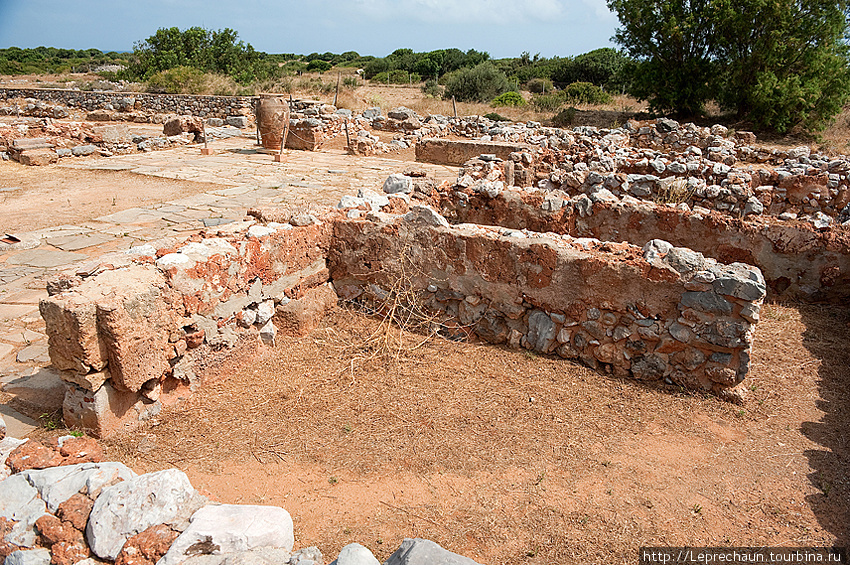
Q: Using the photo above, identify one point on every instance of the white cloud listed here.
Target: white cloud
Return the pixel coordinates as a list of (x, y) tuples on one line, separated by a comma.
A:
[(473, 12)]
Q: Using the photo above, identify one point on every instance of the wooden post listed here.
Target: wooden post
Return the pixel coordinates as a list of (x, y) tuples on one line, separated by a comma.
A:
[(338, 77), (257, 119), (454, 106), (279, 157), (205, 150), (347, 137)]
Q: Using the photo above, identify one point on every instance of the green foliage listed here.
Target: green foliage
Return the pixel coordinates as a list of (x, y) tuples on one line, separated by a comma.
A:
[(431, 64), (179, 80), (508, 99), (319, 65), (565, 117), (210, 51), (496, 117), (585, 93), (40, 60), (350, 82), (602, 67), (778, 63), (431, 88), (395, 77), (548, 102), (478, 84), (539, 85)]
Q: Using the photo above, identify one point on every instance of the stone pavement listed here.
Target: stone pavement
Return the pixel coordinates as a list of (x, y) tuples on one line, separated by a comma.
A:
[(248, 178)]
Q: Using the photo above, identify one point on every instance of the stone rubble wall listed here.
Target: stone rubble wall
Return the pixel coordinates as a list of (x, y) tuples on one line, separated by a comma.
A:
[(654, 313), (455, 153), (798, 261), (718, 173), (196, 105)]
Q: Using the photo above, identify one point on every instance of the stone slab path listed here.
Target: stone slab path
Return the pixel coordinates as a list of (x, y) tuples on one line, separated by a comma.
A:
[(247, 178)]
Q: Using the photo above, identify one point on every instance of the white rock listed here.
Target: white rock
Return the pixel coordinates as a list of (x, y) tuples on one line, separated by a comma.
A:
[(260, 231), (375, 200), (209, 247), (233, 528), (349, 201), (19, 501), (265, 311), (173, 260), (130, 507), (425, 552), (7, 446), (356, 554), (40, 556), (398, 183), (58, 484)]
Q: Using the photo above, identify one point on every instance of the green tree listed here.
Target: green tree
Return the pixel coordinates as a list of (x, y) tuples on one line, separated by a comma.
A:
[(480, 83), (778, 63)]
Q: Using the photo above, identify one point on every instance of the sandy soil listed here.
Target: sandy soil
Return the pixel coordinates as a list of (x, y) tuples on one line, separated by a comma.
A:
[(508, 457)]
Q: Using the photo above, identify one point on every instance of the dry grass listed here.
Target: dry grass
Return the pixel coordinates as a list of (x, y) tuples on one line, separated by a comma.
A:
[(507, 456)]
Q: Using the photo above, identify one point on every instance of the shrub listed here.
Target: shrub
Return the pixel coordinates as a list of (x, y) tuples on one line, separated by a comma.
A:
[(540, 85), (395, 77), (319, 66), (349, 82), (565, 117), (585, 93), (508, 99), (481, 83), (548, 102), (496, 117), (179, 80), (431, 88)]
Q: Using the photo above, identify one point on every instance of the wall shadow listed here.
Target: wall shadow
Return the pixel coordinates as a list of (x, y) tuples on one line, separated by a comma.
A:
[(827, 337)]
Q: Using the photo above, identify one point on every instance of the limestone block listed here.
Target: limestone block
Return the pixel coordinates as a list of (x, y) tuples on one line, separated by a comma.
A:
[(425, 552), (38, 157), (71, 326), (356, 554), (57, 484), (105, 410), (19, 501), (298, 317)]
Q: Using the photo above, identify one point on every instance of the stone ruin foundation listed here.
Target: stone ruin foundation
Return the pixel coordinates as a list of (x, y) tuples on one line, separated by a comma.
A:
[(583, 269)]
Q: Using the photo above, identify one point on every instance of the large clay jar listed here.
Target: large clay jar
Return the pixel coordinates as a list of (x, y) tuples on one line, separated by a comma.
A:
[(272, 118)]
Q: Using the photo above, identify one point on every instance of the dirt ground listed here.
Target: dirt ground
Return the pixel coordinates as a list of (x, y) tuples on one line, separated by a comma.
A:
[(506, 456)]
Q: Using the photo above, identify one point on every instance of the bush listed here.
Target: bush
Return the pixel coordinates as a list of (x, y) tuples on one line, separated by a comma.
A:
[(319, 65), (431, 88), (179, 80), (395, 77), (350, 82), (548, 102), (509, 99), (540, 85), (481, 83), (496, 117), (585, 93), (565, 117)]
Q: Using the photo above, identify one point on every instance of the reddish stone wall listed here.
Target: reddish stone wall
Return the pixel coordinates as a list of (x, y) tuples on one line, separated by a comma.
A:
[(446, 152)]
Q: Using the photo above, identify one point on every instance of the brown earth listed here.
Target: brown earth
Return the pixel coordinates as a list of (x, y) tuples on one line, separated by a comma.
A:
[(507, 457)]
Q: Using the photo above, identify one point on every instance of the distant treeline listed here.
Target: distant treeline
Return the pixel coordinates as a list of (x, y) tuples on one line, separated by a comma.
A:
[(222, 52), (50, 60)]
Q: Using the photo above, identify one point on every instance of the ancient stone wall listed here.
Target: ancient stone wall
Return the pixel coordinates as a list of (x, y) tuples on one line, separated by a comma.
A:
[(454, 153), (652, 313), (797, 260), (196, 105)]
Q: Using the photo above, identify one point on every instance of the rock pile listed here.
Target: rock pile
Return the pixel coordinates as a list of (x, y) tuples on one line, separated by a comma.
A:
[(60, 504)]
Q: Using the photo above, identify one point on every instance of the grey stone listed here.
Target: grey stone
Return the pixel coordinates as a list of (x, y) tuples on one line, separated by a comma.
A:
[(741, 281), (680, 332), (215, 122), (427, 215), (237, 121), (425, 552), (33, 353), (707, 302), (821, 221), (19, 501), (584, 205), (355, 554), (307, 556), (541, 331), (228, 528), (265, 312), (656, 249), (40, 556), (753, 206), (648, 368), (130, 507), (398, 183), (83, 150), (684, 260), (665, 125), (58, 484), (268, 333)]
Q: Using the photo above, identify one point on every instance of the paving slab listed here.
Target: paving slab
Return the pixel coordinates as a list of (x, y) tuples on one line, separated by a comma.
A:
[(131, 216), (5, 349), (22, 295), (35, 353), (17, 425), (13, 311), (45, 258), (23, 336), (9, 275), (77, 242)]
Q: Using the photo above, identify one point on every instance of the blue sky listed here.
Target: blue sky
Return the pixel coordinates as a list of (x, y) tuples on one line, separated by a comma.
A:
[(504, 28)]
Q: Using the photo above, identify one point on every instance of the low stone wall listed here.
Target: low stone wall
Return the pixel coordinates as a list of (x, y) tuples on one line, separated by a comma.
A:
[(654, 313), (196, 105), (798, 261), (454, 153), (154, 324)]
